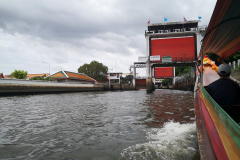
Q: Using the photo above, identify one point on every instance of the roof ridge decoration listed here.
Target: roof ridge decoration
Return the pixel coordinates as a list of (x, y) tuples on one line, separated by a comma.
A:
[(65, 73), (61, 72)]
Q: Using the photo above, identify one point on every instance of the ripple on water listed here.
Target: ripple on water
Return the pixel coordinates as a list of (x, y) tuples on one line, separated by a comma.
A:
[(97, 125)]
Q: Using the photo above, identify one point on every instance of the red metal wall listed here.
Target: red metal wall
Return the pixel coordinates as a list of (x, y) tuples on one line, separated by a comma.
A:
[(141, 82), (163, 72), (180, 49)]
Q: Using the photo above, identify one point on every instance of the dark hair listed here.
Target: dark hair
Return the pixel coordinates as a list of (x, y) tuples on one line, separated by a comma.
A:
[(224, 74)]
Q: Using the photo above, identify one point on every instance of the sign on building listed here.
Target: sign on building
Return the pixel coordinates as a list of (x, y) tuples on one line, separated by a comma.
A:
[(143, 59), (167, 59), (155, 58)]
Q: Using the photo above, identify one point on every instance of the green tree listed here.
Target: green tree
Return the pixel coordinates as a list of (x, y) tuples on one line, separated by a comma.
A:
[(127, 79), (180, 70), (94, 70), (214, 58), (19, 74), (167, 81), (42, 78), (231, 58), (36, 78), (47, 79)]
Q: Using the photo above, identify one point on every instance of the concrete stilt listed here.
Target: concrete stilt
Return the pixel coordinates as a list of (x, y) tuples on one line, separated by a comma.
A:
[(134, 77), (149, 83), (173, 81)]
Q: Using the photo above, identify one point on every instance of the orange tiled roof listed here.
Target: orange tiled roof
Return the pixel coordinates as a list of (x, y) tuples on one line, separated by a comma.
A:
[(81, 76), (59, 74), (37, 75), (8, 76), (71, 75)]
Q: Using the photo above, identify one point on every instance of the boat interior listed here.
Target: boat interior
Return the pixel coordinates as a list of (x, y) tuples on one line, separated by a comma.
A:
[(218, 133)]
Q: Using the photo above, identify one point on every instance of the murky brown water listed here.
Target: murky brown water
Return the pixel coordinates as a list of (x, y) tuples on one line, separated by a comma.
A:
[(99, 125)]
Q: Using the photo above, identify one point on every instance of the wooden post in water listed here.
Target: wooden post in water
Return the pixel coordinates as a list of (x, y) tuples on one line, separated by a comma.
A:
[(193, 77), (134, 76)]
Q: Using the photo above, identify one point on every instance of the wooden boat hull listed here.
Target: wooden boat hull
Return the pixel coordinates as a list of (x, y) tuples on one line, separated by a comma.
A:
[(218, 133), (204, 142)]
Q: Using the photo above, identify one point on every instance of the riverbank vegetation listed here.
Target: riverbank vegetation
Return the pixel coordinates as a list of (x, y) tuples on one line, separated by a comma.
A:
[(231, 58), (42, 78), (167, 81), (180, 70)]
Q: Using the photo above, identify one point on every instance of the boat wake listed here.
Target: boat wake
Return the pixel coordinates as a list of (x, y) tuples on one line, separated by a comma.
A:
[(173, 141)]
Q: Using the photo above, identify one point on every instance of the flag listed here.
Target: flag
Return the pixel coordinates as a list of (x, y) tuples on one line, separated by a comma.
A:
[(185, 20), (148, 22), (199, 17), (165, 19)]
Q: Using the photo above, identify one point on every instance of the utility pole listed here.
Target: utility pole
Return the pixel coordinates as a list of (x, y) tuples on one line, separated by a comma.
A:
[(49, 71)]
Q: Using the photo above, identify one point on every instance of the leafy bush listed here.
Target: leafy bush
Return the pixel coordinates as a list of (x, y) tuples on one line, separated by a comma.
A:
[(166, 82), (47, 79), (180, 70), (19, 74), (37, 78), (42, 78), (231, 58)]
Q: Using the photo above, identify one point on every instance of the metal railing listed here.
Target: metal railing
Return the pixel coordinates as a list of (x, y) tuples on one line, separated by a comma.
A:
[(176, 59), (234, 64), (202, 29)]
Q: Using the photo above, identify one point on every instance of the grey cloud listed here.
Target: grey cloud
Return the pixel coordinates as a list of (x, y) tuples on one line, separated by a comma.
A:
[(53, 20), (86, 30)]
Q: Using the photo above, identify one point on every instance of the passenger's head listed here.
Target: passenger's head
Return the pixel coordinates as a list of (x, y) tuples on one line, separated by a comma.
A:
[(224, 70)]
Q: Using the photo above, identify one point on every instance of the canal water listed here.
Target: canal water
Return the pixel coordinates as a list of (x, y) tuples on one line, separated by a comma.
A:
[(120, 125)]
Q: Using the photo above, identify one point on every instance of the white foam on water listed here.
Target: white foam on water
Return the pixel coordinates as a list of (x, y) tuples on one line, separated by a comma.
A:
[(173, 141), (168, 113)]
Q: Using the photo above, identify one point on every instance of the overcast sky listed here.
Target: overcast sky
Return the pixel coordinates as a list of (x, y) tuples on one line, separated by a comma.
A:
[(67, 34)]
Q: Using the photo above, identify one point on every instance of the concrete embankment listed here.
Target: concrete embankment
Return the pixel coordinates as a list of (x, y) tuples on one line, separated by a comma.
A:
[(9, 87), (26, 87), (122, 87), (21, 89)]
